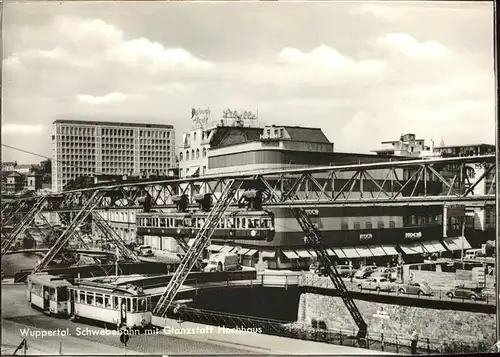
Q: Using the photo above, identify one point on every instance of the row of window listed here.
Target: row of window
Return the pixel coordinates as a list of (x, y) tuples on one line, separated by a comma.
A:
[(59, 294), (225, 222), (71, 130), (194, 154), (113, 302)]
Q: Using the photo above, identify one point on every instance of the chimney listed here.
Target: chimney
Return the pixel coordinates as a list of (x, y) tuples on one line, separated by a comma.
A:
[(432, 145)]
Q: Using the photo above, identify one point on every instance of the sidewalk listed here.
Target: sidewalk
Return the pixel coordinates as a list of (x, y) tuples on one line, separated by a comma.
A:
[(69, 345), (254, 342)]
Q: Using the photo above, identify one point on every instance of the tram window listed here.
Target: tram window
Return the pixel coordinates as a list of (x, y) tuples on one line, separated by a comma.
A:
[(264, 223), (98, 300), (134, 305), (243, 223), (178, 222), (230, 223), (62, 294), (256, 223), (82, 297), (222, 223), (128, 304), (250, 224), (163, 223), (107, 301), (148, 222), (116, 304), (141, 305), (52, 294), (148, 303), (237, 223), (90, 298)]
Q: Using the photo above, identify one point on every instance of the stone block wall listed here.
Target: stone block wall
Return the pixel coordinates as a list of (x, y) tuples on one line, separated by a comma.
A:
[(437, 325)]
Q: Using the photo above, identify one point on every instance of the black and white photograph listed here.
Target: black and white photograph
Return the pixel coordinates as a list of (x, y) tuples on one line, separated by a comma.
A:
[(249, 178)]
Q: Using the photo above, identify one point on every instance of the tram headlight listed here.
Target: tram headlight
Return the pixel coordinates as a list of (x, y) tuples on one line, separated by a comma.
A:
[(253, 233), (178, 231), (143, 322)]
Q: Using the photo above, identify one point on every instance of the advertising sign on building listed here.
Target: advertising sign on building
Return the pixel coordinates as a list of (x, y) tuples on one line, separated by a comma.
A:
[(479, 276), (366, 236), (455, 211), (413, 235)]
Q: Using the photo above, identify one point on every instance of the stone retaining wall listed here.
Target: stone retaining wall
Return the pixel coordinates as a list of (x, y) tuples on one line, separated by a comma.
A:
[(437, 325)]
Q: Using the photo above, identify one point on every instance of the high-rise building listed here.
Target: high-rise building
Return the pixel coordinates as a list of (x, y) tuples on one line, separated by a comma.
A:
[(88, 148)]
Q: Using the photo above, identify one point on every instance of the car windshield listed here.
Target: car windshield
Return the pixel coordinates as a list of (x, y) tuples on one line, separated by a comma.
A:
[(213, 262)]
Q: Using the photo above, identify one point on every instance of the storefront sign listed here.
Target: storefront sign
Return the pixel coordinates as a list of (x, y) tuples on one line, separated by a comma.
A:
[(365, 236), (413, 235), (312, 212)]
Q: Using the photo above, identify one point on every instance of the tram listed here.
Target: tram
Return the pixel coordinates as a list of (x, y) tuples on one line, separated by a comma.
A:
[(123, 306), (48, 293), (240, 224), (245, 223)]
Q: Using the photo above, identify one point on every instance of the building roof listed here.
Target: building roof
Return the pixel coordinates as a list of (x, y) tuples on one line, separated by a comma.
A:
[(463, 146), (312, 135), (9, 163), (112, 123), (15, 174), (231, 135)]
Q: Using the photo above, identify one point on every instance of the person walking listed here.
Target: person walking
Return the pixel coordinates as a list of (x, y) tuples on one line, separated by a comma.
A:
[(414, 342)]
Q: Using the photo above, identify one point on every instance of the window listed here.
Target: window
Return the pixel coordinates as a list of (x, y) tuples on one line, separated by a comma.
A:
[(380, 224), (392, 224), (107, 301), (204, 152), (357, 225), (82, 297), (134, 305), (197, 153), (128, 304), (141, 305), (187, 155), (181, 157), (116, 304), (99, 301), (90, 298), (192, 154), (368, 225)]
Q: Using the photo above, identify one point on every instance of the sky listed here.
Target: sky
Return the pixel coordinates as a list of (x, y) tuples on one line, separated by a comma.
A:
[(364, 72)]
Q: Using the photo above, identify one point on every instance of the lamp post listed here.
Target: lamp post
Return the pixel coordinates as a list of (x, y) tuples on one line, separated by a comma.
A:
[(384, 315)]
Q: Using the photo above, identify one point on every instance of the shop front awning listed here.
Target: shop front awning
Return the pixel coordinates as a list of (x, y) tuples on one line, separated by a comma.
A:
[(438, 246), (290, 254), (268, 254), (302, 253), (313, 253), (339, 252), (251, 252), (431, 246), (214, 248), (243, 251), (330, 252), (364, 252), (350, 252), (389, 249), (456, 243), (415, 248), (377, 250), (226, 249), (193, 171)]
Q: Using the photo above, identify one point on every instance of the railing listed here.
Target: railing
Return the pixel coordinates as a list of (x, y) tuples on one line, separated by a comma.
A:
[(338, 336), (313, 280)]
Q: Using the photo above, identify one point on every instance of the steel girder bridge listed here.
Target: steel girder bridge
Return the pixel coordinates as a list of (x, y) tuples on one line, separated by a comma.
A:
[(406, 182)]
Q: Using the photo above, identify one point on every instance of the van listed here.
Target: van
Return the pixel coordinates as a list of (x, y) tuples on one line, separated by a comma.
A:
[(223, 262), (473, 253)]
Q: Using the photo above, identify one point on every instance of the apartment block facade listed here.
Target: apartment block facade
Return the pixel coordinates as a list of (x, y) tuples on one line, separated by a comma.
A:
[(89, 148)]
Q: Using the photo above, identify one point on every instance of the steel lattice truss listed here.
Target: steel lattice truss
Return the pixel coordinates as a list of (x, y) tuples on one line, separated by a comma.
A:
[(410, 182)]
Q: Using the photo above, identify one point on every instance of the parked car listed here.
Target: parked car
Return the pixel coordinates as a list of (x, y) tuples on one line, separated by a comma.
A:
[(145, 251), (343, 270), (416, 288), (388, 273), (377, 284), (364, 272), (463, 292)]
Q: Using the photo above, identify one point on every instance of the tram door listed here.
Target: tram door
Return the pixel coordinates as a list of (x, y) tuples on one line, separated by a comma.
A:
[(123, 312), (72, 298), (46, 298)]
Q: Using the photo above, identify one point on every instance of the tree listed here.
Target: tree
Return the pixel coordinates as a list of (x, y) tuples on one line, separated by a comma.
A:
[(79, 183)]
